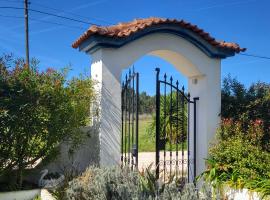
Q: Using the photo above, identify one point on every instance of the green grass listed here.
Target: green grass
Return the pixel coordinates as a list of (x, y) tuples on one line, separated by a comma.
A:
[(146, 142)]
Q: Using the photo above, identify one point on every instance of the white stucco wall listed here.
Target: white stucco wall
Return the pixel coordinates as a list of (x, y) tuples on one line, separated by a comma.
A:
[(86, 154), (108, 64)]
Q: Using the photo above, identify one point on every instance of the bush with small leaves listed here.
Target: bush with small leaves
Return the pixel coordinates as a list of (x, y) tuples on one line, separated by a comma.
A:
[(121, 184), (38, 111)]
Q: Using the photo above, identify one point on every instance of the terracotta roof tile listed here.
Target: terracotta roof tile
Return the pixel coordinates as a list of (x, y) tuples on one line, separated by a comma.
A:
[(122, 30)]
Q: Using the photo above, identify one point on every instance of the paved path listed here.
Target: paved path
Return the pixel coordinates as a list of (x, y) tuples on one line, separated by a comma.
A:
[(146, 158)]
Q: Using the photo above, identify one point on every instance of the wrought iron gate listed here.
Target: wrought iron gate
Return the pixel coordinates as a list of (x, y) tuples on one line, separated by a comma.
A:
[(130, 122), (173, 107), (173, 128)]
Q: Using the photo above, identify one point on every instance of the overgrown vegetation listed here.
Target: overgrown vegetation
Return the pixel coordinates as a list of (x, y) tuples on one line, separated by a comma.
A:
[(240, 157), (147, 104), (121, 184), (237, 160), (173, 121), (247, 105), (38, 110)]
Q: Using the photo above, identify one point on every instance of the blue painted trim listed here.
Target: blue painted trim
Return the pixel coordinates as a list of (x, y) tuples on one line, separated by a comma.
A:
[(96, 42)]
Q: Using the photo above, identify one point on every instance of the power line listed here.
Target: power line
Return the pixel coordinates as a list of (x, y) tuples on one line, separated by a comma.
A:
[(13, 1), (43, 21), (63, 17), (255, 56), (51, 14), (71, 13), (61, 10), (56, 23), (81, 21)]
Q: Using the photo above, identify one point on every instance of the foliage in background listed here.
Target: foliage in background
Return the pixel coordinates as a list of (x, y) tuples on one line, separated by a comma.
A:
[(238, 104), (147, 103), (246, 105), (121, 184), (173, 118), (38, 110)]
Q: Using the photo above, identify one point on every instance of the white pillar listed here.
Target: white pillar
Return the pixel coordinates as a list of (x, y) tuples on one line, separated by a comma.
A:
[(207, 88), (108, 85)]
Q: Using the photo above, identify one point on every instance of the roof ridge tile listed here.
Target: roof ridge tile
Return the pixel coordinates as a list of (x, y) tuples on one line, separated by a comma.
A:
[(126, 29)]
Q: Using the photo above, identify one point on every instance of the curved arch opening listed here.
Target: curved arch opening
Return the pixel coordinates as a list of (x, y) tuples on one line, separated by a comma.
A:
[(145, 66), (185, 56)]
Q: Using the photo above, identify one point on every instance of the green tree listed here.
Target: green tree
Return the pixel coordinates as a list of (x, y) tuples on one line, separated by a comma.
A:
[(247, 104), (38, 110), (147, 103), (233, 98)]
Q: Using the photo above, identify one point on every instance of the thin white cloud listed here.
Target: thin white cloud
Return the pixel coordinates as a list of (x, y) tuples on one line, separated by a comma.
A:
[(221, 5), (32, 33), (89, 4), (242, 63)]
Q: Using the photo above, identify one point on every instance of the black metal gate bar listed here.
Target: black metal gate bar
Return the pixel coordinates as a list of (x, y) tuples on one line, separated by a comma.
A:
[(122, 125), (177, 128), (129, 111), (157, 121), (195, 135), (130, 123), (188, 135), (178, 113), (170, 118), (163, 145), (137, 119), (125, 103), (182, 130)]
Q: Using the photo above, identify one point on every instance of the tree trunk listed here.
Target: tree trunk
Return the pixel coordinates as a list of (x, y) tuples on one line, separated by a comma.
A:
[(19, 176)]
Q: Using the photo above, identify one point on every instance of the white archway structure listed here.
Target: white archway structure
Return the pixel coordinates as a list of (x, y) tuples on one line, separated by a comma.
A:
[(193, 53)]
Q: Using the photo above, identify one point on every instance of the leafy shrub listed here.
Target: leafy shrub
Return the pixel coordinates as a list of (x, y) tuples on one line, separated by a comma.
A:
[(69, 174), (220, 177), (241, 150), (237, 158), (116, 184), (105, 183), (260, 185), (241, 155), (247, 105), (38, 110)]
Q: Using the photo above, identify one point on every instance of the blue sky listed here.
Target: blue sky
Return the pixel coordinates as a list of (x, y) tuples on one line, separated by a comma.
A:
[(243, 21)]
